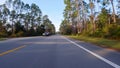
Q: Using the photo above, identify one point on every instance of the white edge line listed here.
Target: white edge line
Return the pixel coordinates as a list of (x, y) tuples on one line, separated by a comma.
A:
[(96, 55)]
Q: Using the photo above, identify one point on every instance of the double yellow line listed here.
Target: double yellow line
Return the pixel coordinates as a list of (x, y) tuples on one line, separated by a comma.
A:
[(12, 50)]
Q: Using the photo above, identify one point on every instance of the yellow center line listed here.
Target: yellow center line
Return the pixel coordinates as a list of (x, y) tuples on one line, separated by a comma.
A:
[(12, 50)]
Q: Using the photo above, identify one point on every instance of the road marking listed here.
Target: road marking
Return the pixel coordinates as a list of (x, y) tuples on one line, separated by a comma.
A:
[(12, 50), (96, 55)]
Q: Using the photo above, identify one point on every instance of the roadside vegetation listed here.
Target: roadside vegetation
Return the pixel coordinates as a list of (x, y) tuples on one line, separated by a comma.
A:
[(1, 39), (106, 43), (20, 19), (96, 21)]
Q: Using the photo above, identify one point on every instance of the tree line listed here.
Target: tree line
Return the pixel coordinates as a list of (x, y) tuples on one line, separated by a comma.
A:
[(20, 19), (96, 18)]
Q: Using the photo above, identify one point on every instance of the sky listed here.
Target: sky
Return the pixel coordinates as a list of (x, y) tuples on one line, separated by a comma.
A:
[(2, 1), (52, 8)]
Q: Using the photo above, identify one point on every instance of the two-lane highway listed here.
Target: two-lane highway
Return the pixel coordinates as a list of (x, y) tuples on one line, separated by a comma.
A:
[(55, 52)]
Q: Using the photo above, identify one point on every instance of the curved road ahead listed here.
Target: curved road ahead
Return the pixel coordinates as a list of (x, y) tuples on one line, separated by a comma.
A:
[(55, 52)]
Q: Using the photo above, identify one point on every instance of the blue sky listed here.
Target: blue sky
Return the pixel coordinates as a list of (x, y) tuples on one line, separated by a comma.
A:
[(52, 8), (2, 1)]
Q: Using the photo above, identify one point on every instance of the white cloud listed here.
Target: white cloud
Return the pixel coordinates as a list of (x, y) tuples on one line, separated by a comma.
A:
[(2, 1)]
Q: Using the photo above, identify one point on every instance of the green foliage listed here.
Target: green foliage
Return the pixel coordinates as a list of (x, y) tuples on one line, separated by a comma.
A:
[(13, 35), (65, 28), (19, 34), (87, 19), (98, 33), (103, 18), (40, 30), (3, 34), (114, 32), (19, 19), (49, 27)]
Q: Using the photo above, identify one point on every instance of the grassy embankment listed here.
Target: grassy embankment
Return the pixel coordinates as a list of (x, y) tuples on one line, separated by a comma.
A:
[(1, 39), (113, 44)]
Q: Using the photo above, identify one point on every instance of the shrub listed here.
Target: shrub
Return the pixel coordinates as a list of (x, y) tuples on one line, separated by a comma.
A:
[(3, 34), (113, 32), (99, 33), (13, 35), (20, 33)]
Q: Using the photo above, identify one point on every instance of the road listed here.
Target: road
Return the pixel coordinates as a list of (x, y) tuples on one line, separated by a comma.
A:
[(55, 52)]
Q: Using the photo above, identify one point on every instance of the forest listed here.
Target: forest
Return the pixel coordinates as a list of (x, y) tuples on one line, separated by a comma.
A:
[(18, 19), (92, 18)]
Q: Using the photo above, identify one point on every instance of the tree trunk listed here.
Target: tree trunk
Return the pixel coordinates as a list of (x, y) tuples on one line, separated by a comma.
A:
[(84, 15), (114, 18), (92, 15), (13, 29)]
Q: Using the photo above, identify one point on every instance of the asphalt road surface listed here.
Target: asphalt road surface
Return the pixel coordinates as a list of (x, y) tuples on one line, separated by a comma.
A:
[(55, 52)]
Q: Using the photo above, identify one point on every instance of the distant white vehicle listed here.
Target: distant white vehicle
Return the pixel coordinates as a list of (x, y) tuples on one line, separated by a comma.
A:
[(46, 34)]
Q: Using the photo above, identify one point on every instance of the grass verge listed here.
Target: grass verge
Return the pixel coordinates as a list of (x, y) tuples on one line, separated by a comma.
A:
[(112, 44), (1, 39)]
